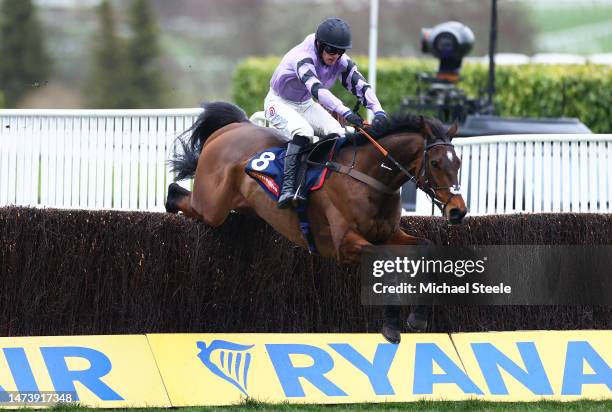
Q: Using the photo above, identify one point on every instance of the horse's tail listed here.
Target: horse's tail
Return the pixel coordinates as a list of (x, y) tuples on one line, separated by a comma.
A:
[(189, 144)]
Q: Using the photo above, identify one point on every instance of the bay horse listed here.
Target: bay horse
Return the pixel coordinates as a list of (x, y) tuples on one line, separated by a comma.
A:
[(346, 214)]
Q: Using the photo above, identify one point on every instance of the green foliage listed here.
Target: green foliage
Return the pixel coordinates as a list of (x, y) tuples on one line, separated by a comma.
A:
[(147, 84), (126, 73), (582, 91), (25, 63), (107, 84)]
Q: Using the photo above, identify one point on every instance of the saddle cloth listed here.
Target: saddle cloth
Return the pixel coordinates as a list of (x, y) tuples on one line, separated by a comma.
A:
[(267, 166)]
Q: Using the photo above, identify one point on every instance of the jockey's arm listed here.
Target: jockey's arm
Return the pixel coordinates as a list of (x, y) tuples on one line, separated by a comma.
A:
[(307, 74), (354, 82)]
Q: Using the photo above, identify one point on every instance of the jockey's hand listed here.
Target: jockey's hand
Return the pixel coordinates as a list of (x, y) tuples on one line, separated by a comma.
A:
[(353, 118), (380, 122)]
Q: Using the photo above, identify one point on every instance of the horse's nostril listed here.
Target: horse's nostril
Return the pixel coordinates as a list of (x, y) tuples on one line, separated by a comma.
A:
[(455, 215)]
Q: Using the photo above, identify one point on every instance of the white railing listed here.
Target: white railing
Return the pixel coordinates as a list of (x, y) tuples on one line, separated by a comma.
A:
[(116, 159), (534, 173), (98, 159)]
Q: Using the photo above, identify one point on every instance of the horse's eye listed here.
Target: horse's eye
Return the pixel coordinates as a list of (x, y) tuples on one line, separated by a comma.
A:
[(434, 163)]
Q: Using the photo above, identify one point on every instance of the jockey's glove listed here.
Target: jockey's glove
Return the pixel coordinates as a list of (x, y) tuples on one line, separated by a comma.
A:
[(380, 122), (353, 118)]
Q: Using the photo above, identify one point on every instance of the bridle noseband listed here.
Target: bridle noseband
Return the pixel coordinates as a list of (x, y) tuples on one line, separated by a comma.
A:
[(425, 175)]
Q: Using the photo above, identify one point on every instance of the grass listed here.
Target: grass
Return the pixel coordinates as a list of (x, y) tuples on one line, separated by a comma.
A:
[(572, 28), (434, 406), (552, 19)]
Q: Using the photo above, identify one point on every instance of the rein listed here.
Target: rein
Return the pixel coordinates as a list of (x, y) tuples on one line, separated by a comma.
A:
[(424, 172)]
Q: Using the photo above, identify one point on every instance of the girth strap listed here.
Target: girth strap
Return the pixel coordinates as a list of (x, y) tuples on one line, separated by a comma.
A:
[(302, 212), (362, 177)]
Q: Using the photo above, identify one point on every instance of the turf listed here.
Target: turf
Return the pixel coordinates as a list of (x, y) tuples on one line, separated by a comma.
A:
[(433, 406)]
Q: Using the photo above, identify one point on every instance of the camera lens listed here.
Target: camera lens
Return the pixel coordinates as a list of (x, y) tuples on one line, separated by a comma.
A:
[(445, 44)]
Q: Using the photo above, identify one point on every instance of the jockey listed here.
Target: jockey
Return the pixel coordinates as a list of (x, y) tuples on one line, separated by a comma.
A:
[(299, 94)]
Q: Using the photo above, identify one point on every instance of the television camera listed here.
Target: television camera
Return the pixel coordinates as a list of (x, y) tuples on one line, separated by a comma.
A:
[(438, 94)]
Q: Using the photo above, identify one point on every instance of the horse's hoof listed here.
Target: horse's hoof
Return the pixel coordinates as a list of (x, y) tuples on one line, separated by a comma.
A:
[(391, 333), (418, 320), (175, 192), (171, 208)]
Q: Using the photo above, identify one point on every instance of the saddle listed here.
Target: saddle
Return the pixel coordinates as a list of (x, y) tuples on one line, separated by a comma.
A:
[(266, 167)]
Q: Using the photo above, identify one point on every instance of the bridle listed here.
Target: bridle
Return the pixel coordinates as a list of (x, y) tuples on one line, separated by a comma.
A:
[(424, 174)]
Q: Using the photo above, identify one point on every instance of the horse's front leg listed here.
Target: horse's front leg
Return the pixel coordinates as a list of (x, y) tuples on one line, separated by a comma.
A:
[(402, 238), (350, 248), (418, 318)]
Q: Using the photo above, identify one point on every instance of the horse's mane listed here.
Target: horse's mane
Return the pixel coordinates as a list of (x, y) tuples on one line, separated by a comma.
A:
[(404, 123)]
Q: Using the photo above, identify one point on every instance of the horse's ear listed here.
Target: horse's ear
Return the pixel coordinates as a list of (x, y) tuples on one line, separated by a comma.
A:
[(425, 129), (452, 131)]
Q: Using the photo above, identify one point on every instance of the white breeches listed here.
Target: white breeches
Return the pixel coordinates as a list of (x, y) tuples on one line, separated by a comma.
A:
[(308, 119)]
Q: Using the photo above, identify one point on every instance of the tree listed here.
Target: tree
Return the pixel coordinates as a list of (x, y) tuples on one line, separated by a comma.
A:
[(144, 70), (107, 82), (24, 63)]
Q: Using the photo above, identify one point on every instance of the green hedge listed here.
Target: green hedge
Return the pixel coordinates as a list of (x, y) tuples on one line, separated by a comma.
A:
[(582, 91)]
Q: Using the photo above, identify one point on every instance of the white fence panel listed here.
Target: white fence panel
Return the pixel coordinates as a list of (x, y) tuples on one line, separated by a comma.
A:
[(102, 159), (593, 178), (557, 182), (510, 166), (117, 159), (604, 175)]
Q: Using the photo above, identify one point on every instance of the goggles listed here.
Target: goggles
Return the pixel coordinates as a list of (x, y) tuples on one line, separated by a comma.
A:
[(332, 50)]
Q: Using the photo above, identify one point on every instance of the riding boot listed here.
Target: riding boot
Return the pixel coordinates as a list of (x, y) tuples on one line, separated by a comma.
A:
[(292, 164), (392, 325), (300, 183)]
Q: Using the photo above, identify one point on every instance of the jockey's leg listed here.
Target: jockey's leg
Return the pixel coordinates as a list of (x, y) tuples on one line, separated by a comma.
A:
[(287, 117), (289, 193), (321, 121)]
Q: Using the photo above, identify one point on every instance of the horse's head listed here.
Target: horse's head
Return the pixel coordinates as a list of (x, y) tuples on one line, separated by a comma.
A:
[(438, 175)]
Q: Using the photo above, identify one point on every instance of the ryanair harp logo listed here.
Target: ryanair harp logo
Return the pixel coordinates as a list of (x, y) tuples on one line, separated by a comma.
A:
[(227, 360)]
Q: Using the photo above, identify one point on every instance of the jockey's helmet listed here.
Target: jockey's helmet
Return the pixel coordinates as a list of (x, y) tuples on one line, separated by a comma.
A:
[(334, 32)]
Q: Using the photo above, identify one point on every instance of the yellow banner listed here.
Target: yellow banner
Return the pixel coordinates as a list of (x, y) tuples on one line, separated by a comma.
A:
[(97, 371), (222, 369), (535, 365)]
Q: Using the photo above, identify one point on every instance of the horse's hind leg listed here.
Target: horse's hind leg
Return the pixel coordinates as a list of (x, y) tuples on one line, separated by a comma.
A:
[(215, 196), (179, 200)]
